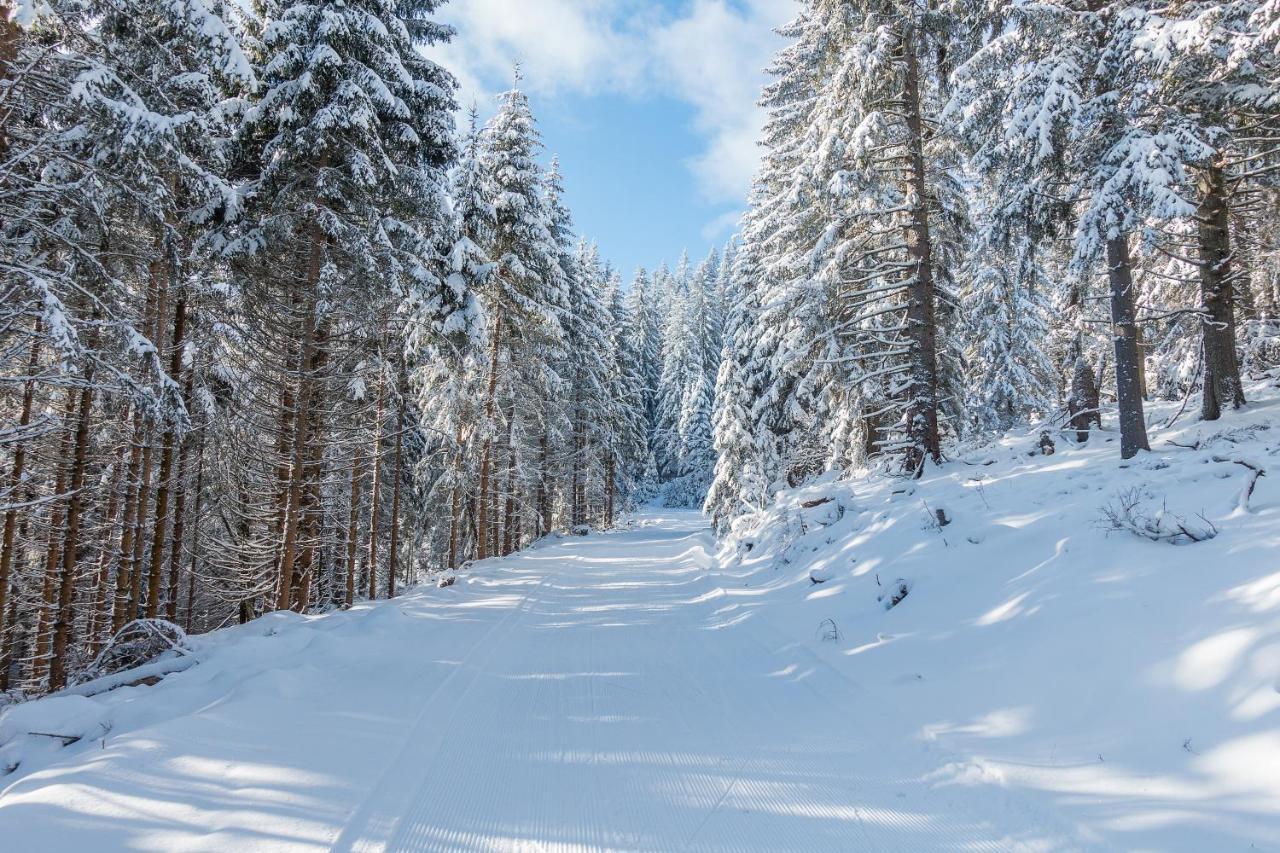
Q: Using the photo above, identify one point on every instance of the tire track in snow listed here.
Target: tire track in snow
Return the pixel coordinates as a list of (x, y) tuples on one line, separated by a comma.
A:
[(371, 823)]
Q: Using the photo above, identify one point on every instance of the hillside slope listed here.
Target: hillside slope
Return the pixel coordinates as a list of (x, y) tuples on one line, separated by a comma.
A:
[(1131, 685)]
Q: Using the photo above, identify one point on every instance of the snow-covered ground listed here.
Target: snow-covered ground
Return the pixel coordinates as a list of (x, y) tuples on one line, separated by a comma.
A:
[(1044, 685), (1131, 687)]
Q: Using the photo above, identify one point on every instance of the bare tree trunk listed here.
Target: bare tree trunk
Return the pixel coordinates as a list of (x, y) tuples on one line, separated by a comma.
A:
[(1083, 401), (160, 287), (293, 506), (195, 533), (922, 408), (577, 512), (179, 515), (53, 549), (7, 546), (393, 550), (1222, 386), (353, 528), (160, 524), (486, 449), (312, 472), (71, 546), (544, 484), (455, 500), (509, 508), (1133, 425), (375, 499), (125, 566), (609, 488), (100, 615)]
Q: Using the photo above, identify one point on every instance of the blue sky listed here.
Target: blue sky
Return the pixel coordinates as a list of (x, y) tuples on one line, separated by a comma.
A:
[(650, 105)]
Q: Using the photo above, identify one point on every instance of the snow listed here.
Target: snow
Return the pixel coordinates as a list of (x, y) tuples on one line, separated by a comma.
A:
[(1131, 687), (1045, 684)]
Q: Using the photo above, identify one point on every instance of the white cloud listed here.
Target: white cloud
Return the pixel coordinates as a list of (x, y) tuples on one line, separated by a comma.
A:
[(711, 56), (721, 226)]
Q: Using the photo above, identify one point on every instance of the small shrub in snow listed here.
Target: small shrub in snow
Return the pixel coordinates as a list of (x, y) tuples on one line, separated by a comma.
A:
[(139, 642), (582, 530), (1047, 447), (446, 580), (1130, 512), (895, 593), (828, 631)]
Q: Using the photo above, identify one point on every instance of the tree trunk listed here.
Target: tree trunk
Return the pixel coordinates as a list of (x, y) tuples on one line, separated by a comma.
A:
[(1222, 386), (312, 474), (1083, 401), (1133, 425), (179, 518), (577, 513), (375, 499), (393, 550), (922, 407), (353, 528), (293, 505), (160, 288), (125, 567), (609, 487), (9, 35), (509, 509), (544, 484), (486, 449), (71, 546), (100, 615), (455, 500), (195, 533), (53, 549), (7, 546), (160, 524)]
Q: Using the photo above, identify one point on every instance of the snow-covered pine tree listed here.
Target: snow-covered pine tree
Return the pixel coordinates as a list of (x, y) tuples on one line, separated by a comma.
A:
[(344, 151), (111, 142), (523, 302), (588, 348), (627, 438), (739, 482), (645, 333), (1007, 313), (1057, 108)]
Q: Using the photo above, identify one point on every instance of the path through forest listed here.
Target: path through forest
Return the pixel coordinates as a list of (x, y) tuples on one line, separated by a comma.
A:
[(593, 693)]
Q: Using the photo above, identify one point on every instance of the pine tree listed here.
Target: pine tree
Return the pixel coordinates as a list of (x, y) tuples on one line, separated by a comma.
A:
[(527, 293)]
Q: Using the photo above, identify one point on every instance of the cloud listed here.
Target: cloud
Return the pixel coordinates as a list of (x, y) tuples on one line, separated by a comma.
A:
[(721, 226), (710, 55), (714, 58)]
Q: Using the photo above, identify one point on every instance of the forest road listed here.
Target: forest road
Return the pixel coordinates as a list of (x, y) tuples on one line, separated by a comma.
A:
[(616, 691), (626, 704)]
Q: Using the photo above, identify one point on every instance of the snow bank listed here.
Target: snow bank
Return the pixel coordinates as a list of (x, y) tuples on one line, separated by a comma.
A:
[(1132, 684), (267, 742)]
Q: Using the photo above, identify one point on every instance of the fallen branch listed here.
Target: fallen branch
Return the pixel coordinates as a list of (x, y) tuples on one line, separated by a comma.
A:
[(128, 677), (1128, 513), (67, 740), (1251, 483)]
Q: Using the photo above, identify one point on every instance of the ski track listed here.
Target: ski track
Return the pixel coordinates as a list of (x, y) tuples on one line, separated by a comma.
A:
[(620, 703), (616, 710)]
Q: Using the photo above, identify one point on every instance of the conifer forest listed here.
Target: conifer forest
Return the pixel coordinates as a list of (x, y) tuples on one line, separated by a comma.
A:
[(295, 332)]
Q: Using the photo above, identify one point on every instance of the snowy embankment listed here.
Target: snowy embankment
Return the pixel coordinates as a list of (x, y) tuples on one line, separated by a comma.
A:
[(267, 743), (1130, 685)]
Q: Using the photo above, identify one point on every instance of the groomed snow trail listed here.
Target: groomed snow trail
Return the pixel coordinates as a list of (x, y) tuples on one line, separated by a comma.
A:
[(596, 693)]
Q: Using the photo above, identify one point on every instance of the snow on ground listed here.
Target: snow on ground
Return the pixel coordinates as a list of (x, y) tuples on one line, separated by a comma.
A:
[(1044, 685), (1130, 686)]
